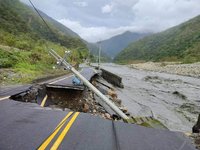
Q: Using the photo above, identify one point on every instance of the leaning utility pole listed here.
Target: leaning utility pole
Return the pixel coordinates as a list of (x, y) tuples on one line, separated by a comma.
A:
[(62, 61), (99, 55)]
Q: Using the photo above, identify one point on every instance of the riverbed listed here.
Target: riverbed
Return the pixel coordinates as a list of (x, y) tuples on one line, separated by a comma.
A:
[(172, 99)]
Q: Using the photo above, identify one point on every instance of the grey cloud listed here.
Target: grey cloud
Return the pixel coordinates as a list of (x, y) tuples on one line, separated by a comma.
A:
[(88, 18), (81, 4)]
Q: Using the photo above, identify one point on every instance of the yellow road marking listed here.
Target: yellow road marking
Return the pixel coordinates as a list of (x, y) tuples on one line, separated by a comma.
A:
[(44, 101), (59, 126), (4, 98), (64, 132), (68, 115)]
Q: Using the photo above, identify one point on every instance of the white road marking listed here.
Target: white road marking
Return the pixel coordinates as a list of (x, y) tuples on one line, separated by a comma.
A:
[(61, 79), (4, 98), (64, 78)]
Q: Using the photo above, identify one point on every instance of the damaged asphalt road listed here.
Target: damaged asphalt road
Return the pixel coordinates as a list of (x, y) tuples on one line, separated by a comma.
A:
[(28, 126)]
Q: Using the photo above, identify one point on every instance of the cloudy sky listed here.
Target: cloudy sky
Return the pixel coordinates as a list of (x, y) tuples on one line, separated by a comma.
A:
[(96, 20)]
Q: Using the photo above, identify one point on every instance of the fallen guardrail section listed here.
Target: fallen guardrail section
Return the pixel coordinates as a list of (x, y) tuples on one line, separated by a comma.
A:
[(112, 78)]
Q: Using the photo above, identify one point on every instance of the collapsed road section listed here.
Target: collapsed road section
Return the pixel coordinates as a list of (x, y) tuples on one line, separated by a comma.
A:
[(73, 97), (87, 130), (83, 99)]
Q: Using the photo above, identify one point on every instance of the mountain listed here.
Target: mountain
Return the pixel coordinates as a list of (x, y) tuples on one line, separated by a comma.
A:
[(18, 18), (62, 29), (114, 45), (179, 43), (25, 41)]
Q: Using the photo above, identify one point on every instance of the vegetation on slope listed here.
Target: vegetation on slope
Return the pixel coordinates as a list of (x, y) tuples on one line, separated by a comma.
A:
[(25, 41), (180, 43)]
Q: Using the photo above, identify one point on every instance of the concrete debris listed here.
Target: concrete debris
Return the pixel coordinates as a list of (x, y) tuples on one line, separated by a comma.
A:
[(112, 78), (104, 105), (112, 93), (107, 116), (76, 98), (27, 96), (124, 109)]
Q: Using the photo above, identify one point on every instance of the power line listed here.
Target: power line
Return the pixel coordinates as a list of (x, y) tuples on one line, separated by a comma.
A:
[(40, 16), (46, 24)]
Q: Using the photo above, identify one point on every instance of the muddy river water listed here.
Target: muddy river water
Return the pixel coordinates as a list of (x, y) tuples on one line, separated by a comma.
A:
[(172, 99)]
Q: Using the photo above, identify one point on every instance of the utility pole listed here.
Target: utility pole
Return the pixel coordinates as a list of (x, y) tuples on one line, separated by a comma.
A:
[(99, 60), (63, 62), (89, 57)]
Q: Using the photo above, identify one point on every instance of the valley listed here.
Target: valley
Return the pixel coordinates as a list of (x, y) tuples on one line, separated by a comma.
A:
[(100, 74)]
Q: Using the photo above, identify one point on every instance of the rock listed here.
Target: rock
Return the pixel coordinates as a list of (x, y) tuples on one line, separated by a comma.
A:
[(107, 116), (94, 111), (125, 110), (196, 127), (91, 94), (103, 116), (85, 107), (119, 101), (112, 94)]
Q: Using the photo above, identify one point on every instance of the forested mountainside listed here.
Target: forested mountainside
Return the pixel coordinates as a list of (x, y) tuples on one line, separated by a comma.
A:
[(25, 41), (179, 43)]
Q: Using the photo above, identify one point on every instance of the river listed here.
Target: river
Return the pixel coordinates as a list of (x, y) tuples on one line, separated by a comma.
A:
[(172, 99)]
